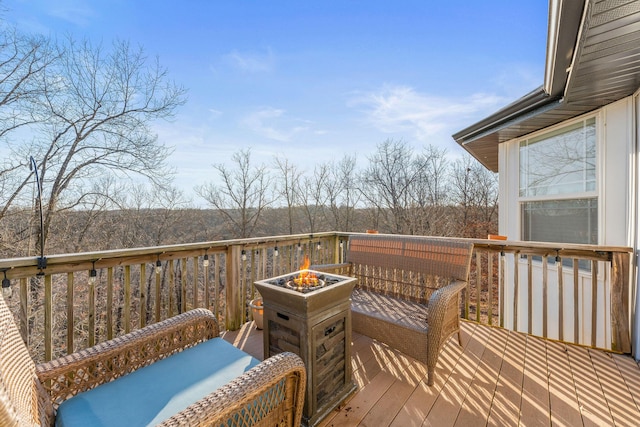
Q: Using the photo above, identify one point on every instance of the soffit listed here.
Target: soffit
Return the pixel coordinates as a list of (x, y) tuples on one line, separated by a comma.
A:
[(606, 68)]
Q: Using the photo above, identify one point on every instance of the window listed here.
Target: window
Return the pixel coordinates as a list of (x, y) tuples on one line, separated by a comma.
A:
[(558, 196)]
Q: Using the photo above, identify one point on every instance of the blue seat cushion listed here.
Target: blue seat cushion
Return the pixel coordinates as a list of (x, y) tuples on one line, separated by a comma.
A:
[(154, 393)]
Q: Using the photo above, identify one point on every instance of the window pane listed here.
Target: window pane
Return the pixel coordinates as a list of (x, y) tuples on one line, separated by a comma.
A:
[(560, 162), (564, 221)]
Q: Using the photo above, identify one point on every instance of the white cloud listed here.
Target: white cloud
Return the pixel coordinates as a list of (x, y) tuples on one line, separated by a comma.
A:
[(401, 109), (252, 62), (76, 12), (272, 123)]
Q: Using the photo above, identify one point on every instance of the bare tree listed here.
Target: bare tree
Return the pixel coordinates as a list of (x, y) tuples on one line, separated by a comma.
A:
[(342, 193), (242, 196), (313, 195), (387, 183), (23, 63), (474, 192), (96, 108), (430, 193), (288, 186)]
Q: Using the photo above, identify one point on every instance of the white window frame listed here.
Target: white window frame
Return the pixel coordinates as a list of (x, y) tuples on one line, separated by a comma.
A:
[(591, 194)]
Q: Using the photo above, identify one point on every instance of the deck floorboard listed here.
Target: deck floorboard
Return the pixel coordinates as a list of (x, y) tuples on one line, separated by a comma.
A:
[(496, 378)]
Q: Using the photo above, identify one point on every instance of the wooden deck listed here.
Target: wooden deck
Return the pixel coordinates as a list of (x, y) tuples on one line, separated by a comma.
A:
[(497, 378)]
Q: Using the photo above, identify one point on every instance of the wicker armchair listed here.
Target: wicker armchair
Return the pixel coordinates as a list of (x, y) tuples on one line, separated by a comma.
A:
[(408, 291), (269, 394)]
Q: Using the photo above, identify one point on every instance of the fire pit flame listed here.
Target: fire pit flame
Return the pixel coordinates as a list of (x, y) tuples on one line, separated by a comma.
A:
[(306, 277)]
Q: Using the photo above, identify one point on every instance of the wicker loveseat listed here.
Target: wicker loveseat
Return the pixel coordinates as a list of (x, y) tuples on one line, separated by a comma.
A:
[(408, 291), (175, 372)]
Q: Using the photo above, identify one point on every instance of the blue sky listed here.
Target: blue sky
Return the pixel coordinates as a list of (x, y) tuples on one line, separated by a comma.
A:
[(315, 80)]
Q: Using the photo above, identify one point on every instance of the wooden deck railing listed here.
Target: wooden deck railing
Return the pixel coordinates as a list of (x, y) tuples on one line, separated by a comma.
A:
[(82, 299), (572, 293)]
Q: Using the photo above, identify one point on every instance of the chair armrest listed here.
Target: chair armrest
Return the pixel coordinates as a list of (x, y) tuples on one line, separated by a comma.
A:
[(271, 393), (439, 304), (69, 375)]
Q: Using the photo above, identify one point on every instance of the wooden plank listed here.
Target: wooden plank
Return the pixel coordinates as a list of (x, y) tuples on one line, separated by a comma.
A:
[(563, 403), (593, 405), (630, 373), (408, 373), (447, 406), (505, 407), (621, 404), (477, 404), (417, 407), (534, 404), (620, 334)]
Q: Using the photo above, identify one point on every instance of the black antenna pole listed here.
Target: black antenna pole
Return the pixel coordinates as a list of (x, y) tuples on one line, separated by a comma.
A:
[(42, 261)]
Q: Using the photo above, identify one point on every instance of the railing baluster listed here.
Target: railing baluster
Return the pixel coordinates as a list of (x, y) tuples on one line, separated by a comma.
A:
[(91, 314), (490, 288), (560, 299), (48, 318), (143, 295), (127, 299), (70, 315), (501, 287), (183, 285), (24, 311), (516, 285), (478, 283), (196, 279), (205, 283), (216, 287), (576, 307), (594, 302), (172, 281), (110, 303), (545, 301), (529, 294)]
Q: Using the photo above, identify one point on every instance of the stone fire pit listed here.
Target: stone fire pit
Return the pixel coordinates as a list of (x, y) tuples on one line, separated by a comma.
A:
[(315, 323)]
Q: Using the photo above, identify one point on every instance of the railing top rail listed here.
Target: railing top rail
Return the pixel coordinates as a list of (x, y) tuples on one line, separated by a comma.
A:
[(515, 245), (28, 265)]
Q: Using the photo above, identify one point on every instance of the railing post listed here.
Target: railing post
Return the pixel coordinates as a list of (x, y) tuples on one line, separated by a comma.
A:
[(232, 288), (620, 340)]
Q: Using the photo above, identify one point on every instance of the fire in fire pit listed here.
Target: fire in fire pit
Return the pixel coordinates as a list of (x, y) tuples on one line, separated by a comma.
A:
[(305, 280)]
